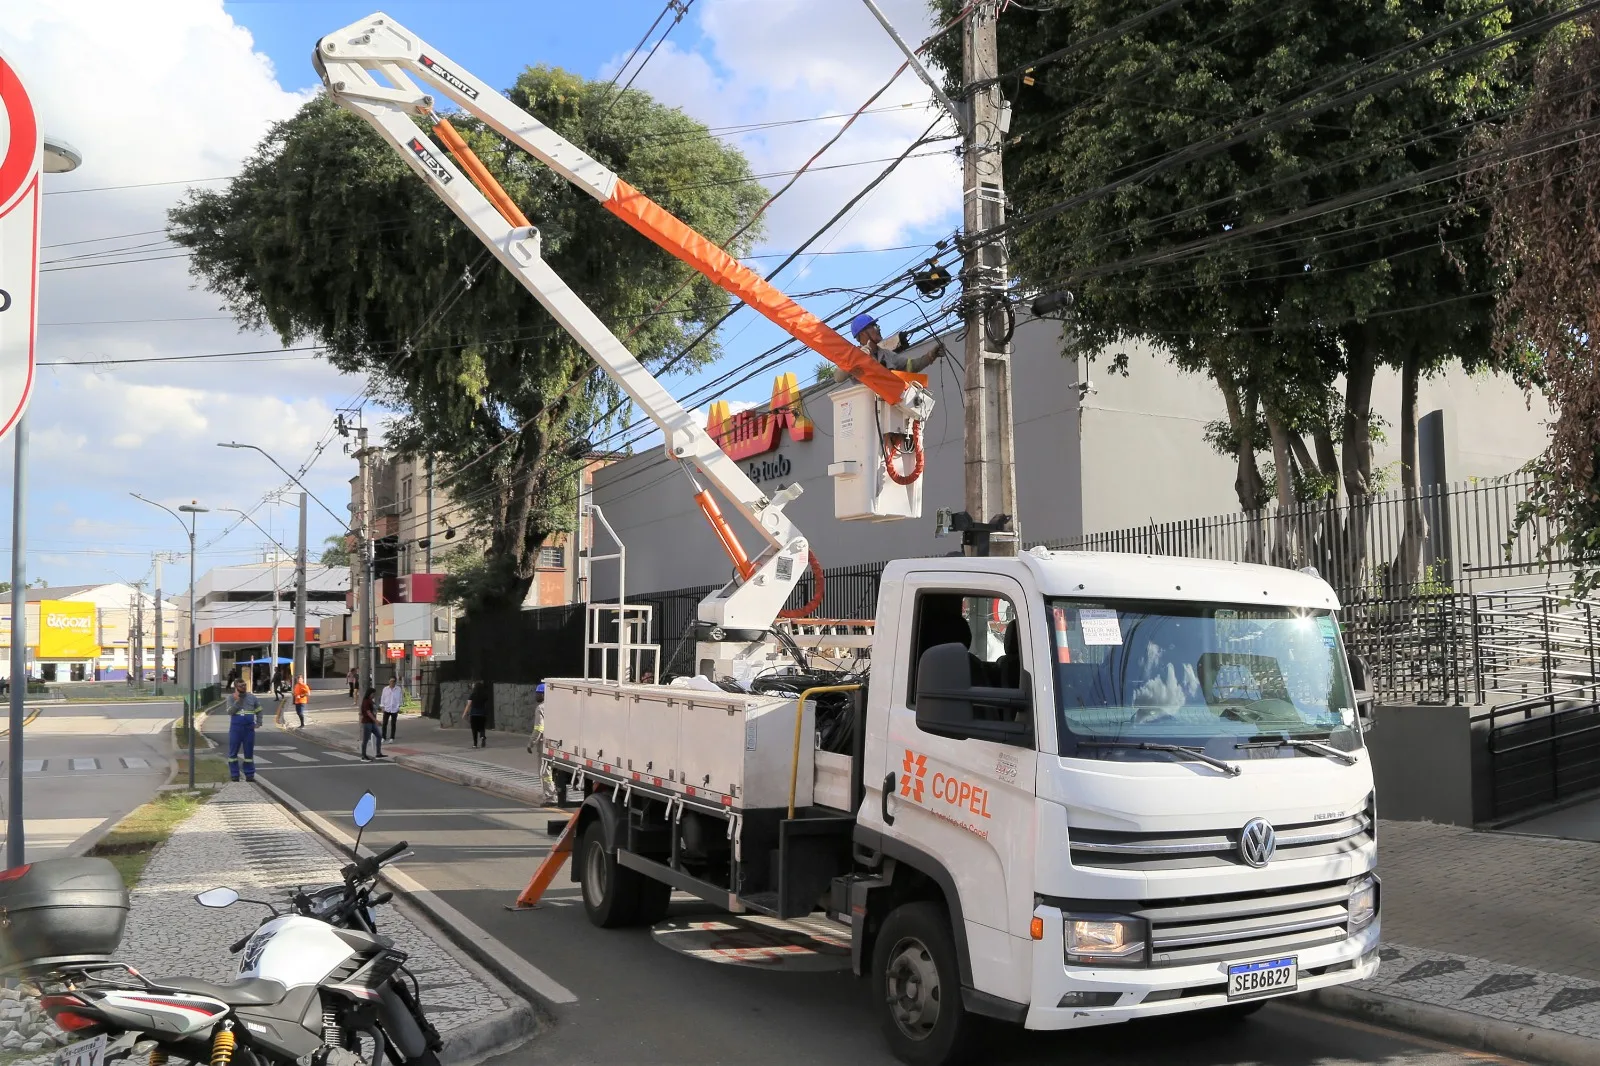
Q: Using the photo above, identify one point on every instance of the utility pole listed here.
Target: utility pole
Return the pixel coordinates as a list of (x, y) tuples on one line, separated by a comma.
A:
[(160, 633), (369, 667), (300, 595), (272, 646), (136, 635), (990, 484)]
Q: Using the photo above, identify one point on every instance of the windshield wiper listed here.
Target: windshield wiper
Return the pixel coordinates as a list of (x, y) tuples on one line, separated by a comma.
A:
[(1177, 749), (1304, 745)]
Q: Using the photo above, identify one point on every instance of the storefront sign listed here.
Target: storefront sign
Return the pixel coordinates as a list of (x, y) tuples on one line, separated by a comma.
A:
[(422, 649), (395, 650), (21, 161), (67, 630), (750, 433)]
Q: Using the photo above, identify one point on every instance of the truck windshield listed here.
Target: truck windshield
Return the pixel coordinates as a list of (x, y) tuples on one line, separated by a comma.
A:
[(1228, 680)]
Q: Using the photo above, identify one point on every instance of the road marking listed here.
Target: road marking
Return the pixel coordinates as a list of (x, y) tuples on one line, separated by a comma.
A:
[(34, 766), (297, 757), (441, 912), (261, 759), (345, 755), (133, 762), (86, 764)]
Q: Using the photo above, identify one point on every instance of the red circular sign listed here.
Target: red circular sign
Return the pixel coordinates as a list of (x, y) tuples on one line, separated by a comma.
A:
[(17, 165)]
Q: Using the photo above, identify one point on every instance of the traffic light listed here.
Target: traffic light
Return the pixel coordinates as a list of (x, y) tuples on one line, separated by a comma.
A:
[(386, 556)]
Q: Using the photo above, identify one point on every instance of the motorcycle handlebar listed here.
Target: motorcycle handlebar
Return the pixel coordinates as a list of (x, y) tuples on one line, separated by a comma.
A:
[(380, 900), (363, 868), (389, 853), (239, 944)]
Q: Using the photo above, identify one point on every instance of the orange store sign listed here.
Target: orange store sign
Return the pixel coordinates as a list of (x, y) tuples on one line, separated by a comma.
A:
[(750, 433)]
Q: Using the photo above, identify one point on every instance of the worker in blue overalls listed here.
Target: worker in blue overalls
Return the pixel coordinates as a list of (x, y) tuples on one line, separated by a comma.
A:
[(244, 715)]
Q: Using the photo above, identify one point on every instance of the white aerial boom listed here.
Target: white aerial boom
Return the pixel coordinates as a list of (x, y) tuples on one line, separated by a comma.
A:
[(369, 68)]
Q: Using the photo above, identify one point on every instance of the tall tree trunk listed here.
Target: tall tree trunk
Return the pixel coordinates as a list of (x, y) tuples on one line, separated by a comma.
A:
[(1408, 566), (1247, 482), (1283, 467), (1327, 457), (1361, 366)]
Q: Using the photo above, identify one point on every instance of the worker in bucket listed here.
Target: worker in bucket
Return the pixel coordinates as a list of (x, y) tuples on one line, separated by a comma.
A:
[(244, 715), (889, 351)]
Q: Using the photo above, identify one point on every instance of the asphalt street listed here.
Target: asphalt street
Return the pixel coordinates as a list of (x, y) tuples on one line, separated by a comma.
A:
[(640, 1002), (86, 764)]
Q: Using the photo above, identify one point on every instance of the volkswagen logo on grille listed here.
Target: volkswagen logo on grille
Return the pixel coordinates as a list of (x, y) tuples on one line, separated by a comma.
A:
[(1257, 842)]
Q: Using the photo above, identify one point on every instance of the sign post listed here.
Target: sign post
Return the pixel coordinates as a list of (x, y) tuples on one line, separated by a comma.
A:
[(21, 164)]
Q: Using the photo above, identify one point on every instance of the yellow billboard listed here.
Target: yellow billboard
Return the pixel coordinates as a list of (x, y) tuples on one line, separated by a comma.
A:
[(67, 630)]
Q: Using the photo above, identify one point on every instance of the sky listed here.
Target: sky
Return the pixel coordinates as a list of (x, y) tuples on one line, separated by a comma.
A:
[(163, 95)]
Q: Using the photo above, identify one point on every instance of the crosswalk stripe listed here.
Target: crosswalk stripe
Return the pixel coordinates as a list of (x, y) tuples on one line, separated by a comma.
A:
[(345, 755), (297, 757), (133, 762), (86, 764), (261, 759), (34, 766)]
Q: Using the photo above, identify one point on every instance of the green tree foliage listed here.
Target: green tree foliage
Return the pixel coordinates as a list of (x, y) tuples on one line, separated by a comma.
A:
[(334, 552), (1546, 235), (1282, 263), (327, 236)]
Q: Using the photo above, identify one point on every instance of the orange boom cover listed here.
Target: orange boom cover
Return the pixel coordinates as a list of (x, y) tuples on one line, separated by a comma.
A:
[(655, 222)]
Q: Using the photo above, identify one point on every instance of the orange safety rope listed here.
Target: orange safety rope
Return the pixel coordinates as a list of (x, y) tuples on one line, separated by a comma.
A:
[(889, 455), (816, 596)]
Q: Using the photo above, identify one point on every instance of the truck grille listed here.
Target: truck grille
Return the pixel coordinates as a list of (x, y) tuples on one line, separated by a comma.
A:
[(1218, 928), (1101, 849)]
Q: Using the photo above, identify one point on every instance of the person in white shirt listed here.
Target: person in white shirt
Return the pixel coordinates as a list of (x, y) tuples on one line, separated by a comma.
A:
[(389, 703)]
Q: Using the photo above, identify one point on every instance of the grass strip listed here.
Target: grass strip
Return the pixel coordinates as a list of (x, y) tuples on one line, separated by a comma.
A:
[(131, 843)]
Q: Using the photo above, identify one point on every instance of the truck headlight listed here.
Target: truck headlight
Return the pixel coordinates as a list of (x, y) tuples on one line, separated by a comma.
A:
[(1104, 940), (1363, 903)]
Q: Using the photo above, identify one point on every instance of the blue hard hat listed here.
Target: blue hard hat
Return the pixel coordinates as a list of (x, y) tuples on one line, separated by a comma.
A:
[(859, 324)]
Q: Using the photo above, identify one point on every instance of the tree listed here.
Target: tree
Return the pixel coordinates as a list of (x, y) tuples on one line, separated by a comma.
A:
[(1546, 236), (327, 236), (1181, 178), (334, 552)]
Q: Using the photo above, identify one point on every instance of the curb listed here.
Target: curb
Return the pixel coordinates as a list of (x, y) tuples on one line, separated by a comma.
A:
[(521, 976), (440, 766), (1458, 1027)]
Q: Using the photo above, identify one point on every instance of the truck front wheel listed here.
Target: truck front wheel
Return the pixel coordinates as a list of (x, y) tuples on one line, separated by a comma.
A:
[(918, 986)]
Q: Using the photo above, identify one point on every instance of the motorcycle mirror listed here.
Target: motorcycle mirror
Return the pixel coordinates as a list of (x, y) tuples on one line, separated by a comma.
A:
[(366, 807), (217, 898)]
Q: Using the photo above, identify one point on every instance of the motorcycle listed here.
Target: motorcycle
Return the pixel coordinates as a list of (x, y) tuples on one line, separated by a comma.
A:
[(315, 986)]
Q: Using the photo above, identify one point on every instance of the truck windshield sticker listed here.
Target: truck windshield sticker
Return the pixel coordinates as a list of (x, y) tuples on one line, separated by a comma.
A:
[(1099, 626), (1330, 630)]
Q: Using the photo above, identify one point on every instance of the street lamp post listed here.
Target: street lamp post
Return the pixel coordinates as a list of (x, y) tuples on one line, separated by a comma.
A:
[(192, 510)]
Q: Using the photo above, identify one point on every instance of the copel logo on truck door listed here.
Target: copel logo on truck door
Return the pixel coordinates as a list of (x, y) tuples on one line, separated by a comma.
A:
[(916, 768)]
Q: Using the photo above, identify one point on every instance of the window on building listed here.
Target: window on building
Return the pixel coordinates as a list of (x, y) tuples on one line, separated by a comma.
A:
[(405, 494), (552, 558)]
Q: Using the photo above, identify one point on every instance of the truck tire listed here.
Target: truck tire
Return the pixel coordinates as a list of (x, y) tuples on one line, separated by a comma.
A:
[(610, 891), (917, 986)]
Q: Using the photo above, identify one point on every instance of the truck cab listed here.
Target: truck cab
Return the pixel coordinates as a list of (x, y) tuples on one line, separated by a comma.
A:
[(1084, 788)]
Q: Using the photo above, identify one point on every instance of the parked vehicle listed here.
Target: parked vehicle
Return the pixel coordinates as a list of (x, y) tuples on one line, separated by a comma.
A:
[(1076, 789), (315, 985)]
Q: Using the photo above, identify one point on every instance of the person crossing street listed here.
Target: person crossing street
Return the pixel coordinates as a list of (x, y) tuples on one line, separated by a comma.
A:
[(390, 702), (244, 715), (369, 724), (302, 694)]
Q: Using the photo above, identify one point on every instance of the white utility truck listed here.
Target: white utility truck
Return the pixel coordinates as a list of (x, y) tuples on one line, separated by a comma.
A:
[(1061, 789)]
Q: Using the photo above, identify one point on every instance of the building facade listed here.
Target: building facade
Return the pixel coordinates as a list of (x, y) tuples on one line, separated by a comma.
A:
[(92, 633), (1096, 450), (236, 608)]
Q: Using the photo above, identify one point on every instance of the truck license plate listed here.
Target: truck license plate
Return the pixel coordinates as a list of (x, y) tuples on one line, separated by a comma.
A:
[(1248, 980), (90, 1052)]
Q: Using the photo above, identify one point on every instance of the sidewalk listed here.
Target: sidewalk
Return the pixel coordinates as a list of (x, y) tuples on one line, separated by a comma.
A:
[(243, 840), (1490, 939)]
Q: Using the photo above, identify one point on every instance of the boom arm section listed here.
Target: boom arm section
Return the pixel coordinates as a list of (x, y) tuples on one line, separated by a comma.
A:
[(347, 61)]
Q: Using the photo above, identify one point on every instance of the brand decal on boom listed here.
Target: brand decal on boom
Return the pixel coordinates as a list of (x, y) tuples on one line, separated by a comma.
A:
[(449, 79), (430, 161)]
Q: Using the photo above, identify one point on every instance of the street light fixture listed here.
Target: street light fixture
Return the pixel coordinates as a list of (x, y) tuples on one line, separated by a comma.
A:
[(291, 477), (192, 510), (273, 644)]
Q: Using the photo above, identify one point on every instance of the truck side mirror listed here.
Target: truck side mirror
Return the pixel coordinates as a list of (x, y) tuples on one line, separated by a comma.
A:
[(948, 703)]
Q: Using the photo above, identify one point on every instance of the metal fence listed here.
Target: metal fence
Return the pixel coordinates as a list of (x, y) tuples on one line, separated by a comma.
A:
[(1387, 546)]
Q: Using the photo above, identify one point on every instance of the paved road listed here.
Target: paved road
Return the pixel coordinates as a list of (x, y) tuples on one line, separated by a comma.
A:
[(639, 1002), (85, 764)]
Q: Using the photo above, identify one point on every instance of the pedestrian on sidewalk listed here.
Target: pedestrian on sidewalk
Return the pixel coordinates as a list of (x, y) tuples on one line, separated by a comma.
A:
[(369, 724), (244, 715), (302, 693), (390, 703), (477, 712), (352, 679)]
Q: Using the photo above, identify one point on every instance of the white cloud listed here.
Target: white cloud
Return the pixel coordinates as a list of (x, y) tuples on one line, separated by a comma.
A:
[(168, 92)]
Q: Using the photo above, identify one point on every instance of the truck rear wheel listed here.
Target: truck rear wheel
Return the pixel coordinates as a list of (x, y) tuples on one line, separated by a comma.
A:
[(917, 984), (610, 891)]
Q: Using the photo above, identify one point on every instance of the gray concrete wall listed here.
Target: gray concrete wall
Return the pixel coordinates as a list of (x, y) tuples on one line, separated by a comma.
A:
[(515, 709), (1425, 765), (452, 701)]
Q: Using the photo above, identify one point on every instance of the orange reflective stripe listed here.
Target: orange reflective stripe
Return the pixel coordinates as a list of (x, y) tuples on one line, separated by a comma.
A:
[(479, 174), (655, 222)]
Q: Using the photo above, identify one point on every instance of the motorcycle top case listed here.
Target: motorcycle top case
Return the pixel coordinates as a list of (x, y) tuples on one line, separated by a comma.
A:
[(60, 912)]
